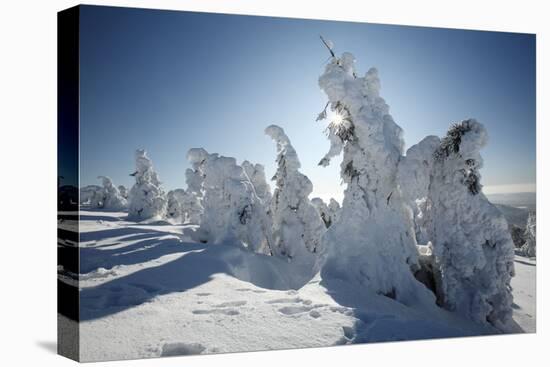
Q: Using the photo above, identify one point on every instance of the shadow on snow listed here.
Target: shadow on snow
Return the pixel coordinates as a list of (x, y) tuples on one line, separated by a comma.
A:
[(196, 265)]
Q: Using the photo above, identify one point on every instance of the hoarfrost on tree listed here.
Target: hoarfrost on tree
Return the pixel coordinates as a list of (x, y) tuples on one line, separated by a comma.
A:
[(414, 176), (91, 195), (328, 213), (123, 191), (529, 248), (194, 175), (256, 175), (183, 206), (372, 244), (111, 196), (233, 213), (146, 199), (472, 247), (297, 227), (334, 210)]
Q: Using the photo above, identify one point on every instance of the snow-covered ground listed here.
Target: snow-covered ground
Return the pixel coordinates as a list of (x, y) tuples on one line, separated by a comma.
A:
[(524, 284), (148, 290)]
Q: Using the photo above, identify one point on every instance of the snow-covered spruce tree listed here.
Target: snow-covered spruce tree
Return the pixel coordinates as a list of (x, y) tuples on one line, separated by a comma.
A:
[(256, 175), (333, 210), (92, 196), (322, 210), (372, 244), (233, 213), (146, 199), (297, 227), (194, 175), (194, 179), (529, 248), (472, 247), (183, 206), (174, 205), (111, 197), (414, 176), (328, 213), (123, 191)]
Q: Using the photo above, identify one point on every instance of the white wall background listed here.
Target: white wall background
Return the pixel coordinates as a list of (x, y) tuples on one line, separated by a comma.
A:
[(28, 179)]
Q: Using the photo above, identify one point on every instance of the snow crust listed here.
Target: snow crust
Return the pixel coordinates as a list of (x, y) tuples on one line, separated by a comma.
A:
[(150, 287)]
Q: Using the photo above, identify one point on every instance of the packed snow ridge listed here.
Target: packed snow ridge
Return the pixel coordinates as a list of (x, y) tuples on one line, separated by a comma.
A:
[(414, 230)]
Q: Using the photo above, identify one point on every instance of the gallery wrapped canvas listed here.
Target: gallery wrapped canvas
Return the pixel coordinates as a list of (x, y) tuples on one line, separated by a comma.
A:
[(232, 183)]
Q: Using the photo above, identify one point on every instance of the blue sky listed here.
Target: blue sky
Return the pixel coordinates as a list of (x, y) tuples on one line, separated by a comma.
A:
[(169, 81)]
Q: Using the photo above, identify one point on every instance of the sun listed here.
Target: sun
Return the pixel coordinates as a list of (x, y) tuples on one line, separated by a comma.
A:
[(337, 119)]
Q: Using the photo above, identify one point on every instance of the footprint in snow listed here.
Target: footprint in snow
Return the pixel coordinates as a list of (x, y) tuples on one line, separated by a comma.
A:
[(294, 310), (231, 304), (284, 300), (223, 311), (180, 349), (250, 290), (315, 314), (290, 300)]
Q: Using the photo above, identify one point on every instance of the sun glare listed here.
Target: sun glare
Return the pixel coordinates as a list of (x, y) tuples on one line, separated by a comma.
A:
[(337, 119)]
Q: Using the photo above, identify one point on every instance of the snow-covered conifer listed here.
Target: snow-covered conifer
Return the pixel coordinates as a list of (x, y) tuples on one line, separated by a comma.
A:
[(123, 191), (146, 199), (256, 175), (529, 248), (414, 177), (472, 247), (183, 206), (111, 197), (372, 244), (328, 213), (233, 213), (174, 205), (297, 227), (194, 175), (92, 196), (322, 209), (334, 210)]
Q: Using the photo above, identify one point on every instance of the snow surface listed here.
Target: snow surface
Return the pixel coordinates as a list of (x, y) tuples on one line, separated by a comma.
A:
[(148, 290), (524, 290)]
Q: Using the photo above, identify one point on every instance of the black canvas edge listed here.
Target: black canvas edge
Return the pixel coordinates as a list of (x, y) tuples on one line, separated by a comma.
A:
[(68, 80)]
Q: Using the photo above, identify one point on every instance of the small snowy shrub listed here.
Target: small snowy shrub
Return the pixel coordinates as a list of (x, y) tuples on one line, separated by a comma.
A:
[(146, 199), (297, 227)]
